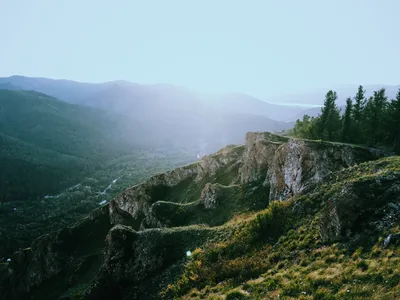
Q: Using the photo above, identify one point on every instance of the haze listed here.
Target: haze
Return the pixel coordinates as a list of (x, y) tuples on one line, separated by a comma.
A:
[(262, 48)]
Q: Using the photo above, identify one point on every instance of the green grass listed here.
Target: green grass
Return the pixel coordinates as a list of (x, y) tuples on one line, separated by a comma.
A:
[(232, 200), (279, 251)]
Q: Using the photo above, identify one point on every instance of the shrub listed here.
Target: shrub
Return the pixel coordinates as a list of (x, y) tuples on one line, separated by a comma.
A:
[(236, 295)]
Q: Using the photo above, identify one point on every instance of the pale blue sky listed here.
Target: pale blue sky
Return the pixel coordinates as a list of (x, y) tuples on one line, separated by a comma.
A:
[(258, 47)]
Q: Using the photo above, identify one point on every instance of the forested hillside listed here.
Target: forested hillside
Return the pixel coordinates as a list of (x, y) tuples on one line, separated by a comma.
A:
[(47, 144)]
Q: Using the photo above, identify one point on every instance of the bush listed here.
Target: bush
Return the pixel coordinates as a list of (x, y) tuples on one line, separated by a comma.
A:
[(236, 295)]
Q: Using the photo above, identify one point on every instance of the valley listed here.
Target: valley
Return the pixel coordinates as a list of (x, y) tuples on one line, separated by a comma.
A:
[(59, 158)]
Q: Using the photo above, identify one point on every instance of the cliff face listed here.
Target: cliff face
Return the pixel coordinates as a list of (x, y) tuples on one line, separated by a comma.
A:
[(291, 166), (286, 167), (136, 244)]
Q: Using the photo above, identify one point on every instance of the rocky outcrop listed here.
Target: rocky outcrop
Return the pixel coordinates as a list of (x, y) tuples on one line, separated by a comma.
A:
[(58, 257), (138, 200), (209, 196), (133, 257), (285, 167), (370, 204), (258, 156), (290, 166), (329, 226), (210, 165)]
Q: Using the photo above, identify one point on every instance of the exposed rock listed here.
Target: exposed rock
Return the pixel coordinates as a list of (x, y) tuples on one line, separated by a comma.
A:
[(291, 166), (390, 238), (362, 204), (209, 196), (329, 226), (131, 257), (137, 201), (57, 253), (258, 156), (387, 241), (210, 165), (299, 164), (394, 206)]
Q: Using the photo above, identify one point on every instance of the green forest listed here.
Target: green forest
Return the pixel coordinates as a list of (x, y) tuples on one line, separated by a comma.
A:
[(373, 121), (48, 145)]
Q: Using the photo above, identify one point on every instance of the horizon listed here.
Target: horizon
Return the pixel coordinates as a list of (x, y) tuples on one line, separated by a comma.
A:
[(274, 49), (318, 91)]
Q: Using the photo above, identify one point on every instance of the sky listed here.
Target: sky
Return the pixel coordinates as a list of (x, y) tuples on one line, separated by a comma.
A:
[(259, 47)]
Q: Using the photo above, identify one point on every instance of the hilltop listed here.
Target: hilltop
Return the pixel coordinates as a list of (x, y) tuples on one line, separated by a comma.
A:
[(276, 216)]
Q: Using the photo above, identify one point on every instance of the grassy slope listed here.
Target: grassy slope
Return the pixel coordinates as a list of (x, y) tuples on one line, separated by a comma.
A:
[(279, 251)]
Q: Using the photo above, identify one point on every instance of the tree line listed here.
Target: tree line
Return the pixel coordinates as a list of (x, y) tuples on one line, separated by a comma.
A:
[(373, 121)]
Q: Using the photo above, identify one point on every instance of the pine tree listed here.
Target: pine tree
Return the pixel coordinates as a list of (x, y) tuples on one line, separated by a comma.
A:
[(329, 125), (393, 122), (347, 121), (314, 127), (374, 117), (358, 115)]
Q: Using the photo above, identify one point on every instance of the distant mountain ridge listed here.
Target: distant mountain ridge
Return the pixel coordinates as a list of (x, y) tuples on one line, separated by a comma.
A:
[(171, 116), (122, 95)]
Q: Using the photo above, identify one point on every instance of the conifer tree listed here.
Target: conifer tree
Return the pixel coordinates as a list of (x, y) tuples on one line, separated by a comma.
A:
[(347, 121), (329, 125), (374, 117), (393, 122), (358, 114)]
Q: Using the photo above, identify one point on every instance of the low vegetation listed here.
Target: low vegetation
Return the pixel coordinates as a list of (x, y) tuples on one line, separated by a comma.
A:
[(279, 251)]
